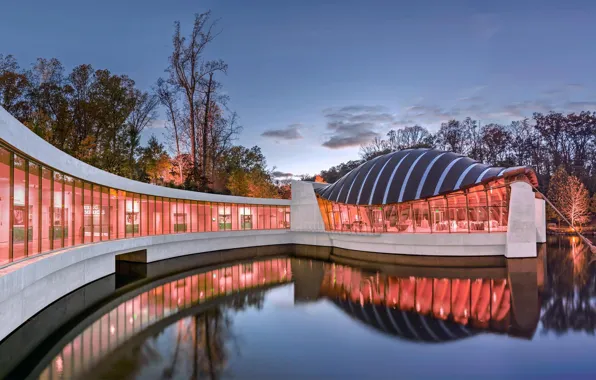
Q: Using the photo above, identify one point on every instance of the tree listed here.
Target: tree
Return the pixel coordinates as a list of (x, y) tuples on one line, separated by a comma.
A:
[(247, 174), (154, 162), (593, 204), (570, 197), (14, 85), (453, 136), (187, 74), (143, 113), (495, 141)]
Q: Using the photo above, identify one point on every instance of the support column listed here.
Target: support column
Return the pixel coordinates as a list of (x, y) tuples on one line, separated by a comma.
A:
[(521, 231), (305, 214), (540, 213)]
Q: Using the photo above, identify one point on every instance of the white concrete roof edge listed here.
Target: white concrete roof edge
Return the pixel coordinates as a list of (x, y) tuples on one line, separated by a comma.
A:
[(15, 134)]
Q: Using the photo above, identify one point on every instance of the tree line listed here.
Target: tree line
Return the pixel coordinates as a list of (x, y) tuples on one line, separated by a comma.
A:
[(550, 143), (99, 117)]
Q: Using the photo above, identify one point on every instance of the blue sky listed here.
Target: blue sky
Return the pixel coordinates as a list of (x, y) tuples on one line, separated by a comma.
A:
[(320, 77)]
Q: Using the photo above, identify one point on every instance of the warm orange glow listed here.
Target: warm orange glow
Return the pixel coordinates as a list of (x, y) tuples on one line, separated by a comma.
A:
[(480, 209)]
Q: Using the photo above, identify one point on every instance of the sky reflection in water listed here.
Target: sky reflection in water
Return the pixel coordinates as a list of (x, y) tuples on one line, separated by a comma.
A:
[(293, 318)]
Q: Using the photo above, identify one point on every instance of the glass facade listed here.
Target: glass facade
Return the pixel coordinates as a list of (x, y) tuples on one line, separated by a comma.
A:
[(42, 209), (483, 208)]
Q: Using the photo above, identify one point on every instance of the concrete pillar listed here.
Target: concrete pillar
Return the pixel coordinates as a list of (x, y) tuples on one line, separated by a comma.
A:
[(540, 213), (521, 232), (305, 214)]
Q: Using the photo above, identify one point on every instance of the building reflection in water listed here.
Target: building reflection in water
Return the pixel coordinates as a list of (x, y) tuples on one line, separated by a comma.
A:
[(145, 309), (435, 305), (380, 300)]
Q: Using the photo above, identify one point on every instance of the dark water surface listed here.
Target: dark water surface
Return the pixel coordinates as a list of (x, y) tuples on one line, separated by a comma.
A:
[(292, 318)]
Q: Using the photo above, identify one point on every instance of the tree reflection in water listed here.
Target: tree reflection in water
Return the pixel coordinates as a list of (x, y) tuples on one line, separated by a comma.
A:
[(570, 295), (195, 347)]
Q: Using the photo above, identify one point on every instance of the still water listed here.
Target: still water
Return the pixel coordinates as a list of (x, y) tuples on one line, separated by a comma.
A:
[(293, 318)]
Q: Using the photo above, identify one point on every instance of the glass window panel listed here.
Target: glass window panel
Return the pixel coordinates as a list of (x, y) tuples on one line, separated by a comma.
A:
[(34, 215), (376, 216), (132, 222), (57, 216), (46, 209), (158, 215), (213, 210), (143, 217), (69, 213), (288, 218), (151, 214), (439, 214), (457, 212), (250, 219), (173, 211), (166, 215), (194, 216), (122, 214), (266, 217), (478, 212), (96, 213), (180, 224), (421, 217), (202, 217), (20, 221), (105, 213), (79, 212), (234, 217), (273, 217), (113, 212)]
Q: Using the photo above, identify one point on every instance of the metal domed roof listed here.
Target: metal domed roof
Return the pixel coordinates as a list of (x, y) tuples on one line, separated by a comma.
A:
[(413, 174), (405, 324)]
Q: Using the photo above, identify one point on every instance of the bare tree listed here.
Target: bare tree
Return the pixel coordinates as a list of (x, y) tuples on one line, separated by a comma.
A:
[(167, 97), (188, 70), (144, 112)]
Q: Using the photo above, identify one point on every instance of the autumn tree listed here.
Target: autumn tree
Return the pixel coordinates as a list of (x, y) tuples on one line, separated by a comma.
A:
[(154, 162), (570, 197)]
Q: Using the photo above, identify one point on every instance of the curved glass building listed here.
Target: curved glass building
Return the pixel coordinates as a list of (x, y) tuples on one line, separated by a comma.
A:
[(421, 191)]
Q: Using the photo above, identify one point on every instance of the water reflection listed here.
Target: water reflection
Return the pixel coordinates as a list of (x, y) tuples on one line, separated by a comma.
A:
[(569, 302), (195, 326), (156, 305)]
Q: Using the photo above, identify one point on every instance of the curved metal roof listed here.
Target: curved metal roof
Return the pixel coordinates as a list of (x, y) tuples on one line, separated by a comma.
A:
[(405, 324), (413, 174)]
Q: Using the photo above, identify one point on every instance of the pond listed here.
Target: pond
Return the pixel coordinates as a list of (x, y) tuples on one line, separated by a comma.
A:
[(288, 317)]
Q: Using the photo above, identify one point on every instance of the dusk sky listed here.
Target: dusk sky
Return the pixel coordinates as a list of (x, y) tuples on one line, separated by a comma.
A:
[(312, 80)]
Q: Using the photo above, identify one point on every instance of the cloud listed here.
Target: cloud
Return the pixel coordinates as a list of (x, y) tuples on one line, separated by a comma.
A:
[(581, 106), (355, 125), (291, 132), (563, 89), (471, 99), (278, 174)]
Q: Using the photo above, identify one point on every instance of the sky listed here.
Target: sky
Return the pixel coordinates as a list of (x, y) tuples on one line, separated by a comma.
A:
[(312, 80)]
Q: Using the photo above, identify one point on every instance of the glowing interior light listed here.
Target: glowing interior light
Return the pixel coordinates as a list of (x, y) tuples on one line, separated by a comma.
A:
[(130, 320), (112, 330)]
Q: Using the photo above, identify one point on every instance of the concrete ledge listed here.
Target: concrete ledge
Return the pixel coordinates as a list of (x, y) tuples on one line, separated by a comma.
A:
[(29, 286)]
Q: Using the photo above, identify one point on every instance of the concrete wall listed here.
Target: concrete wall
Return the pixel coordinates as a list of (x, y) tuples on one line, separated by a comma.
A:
[(305, 214), (521, 235), (540, 220)]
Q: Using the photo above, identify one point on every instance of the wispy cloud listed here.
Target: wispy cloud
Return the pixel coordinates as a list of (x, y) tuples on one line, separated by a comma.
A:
[(355, 125), (291, 132), (279, 174)]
